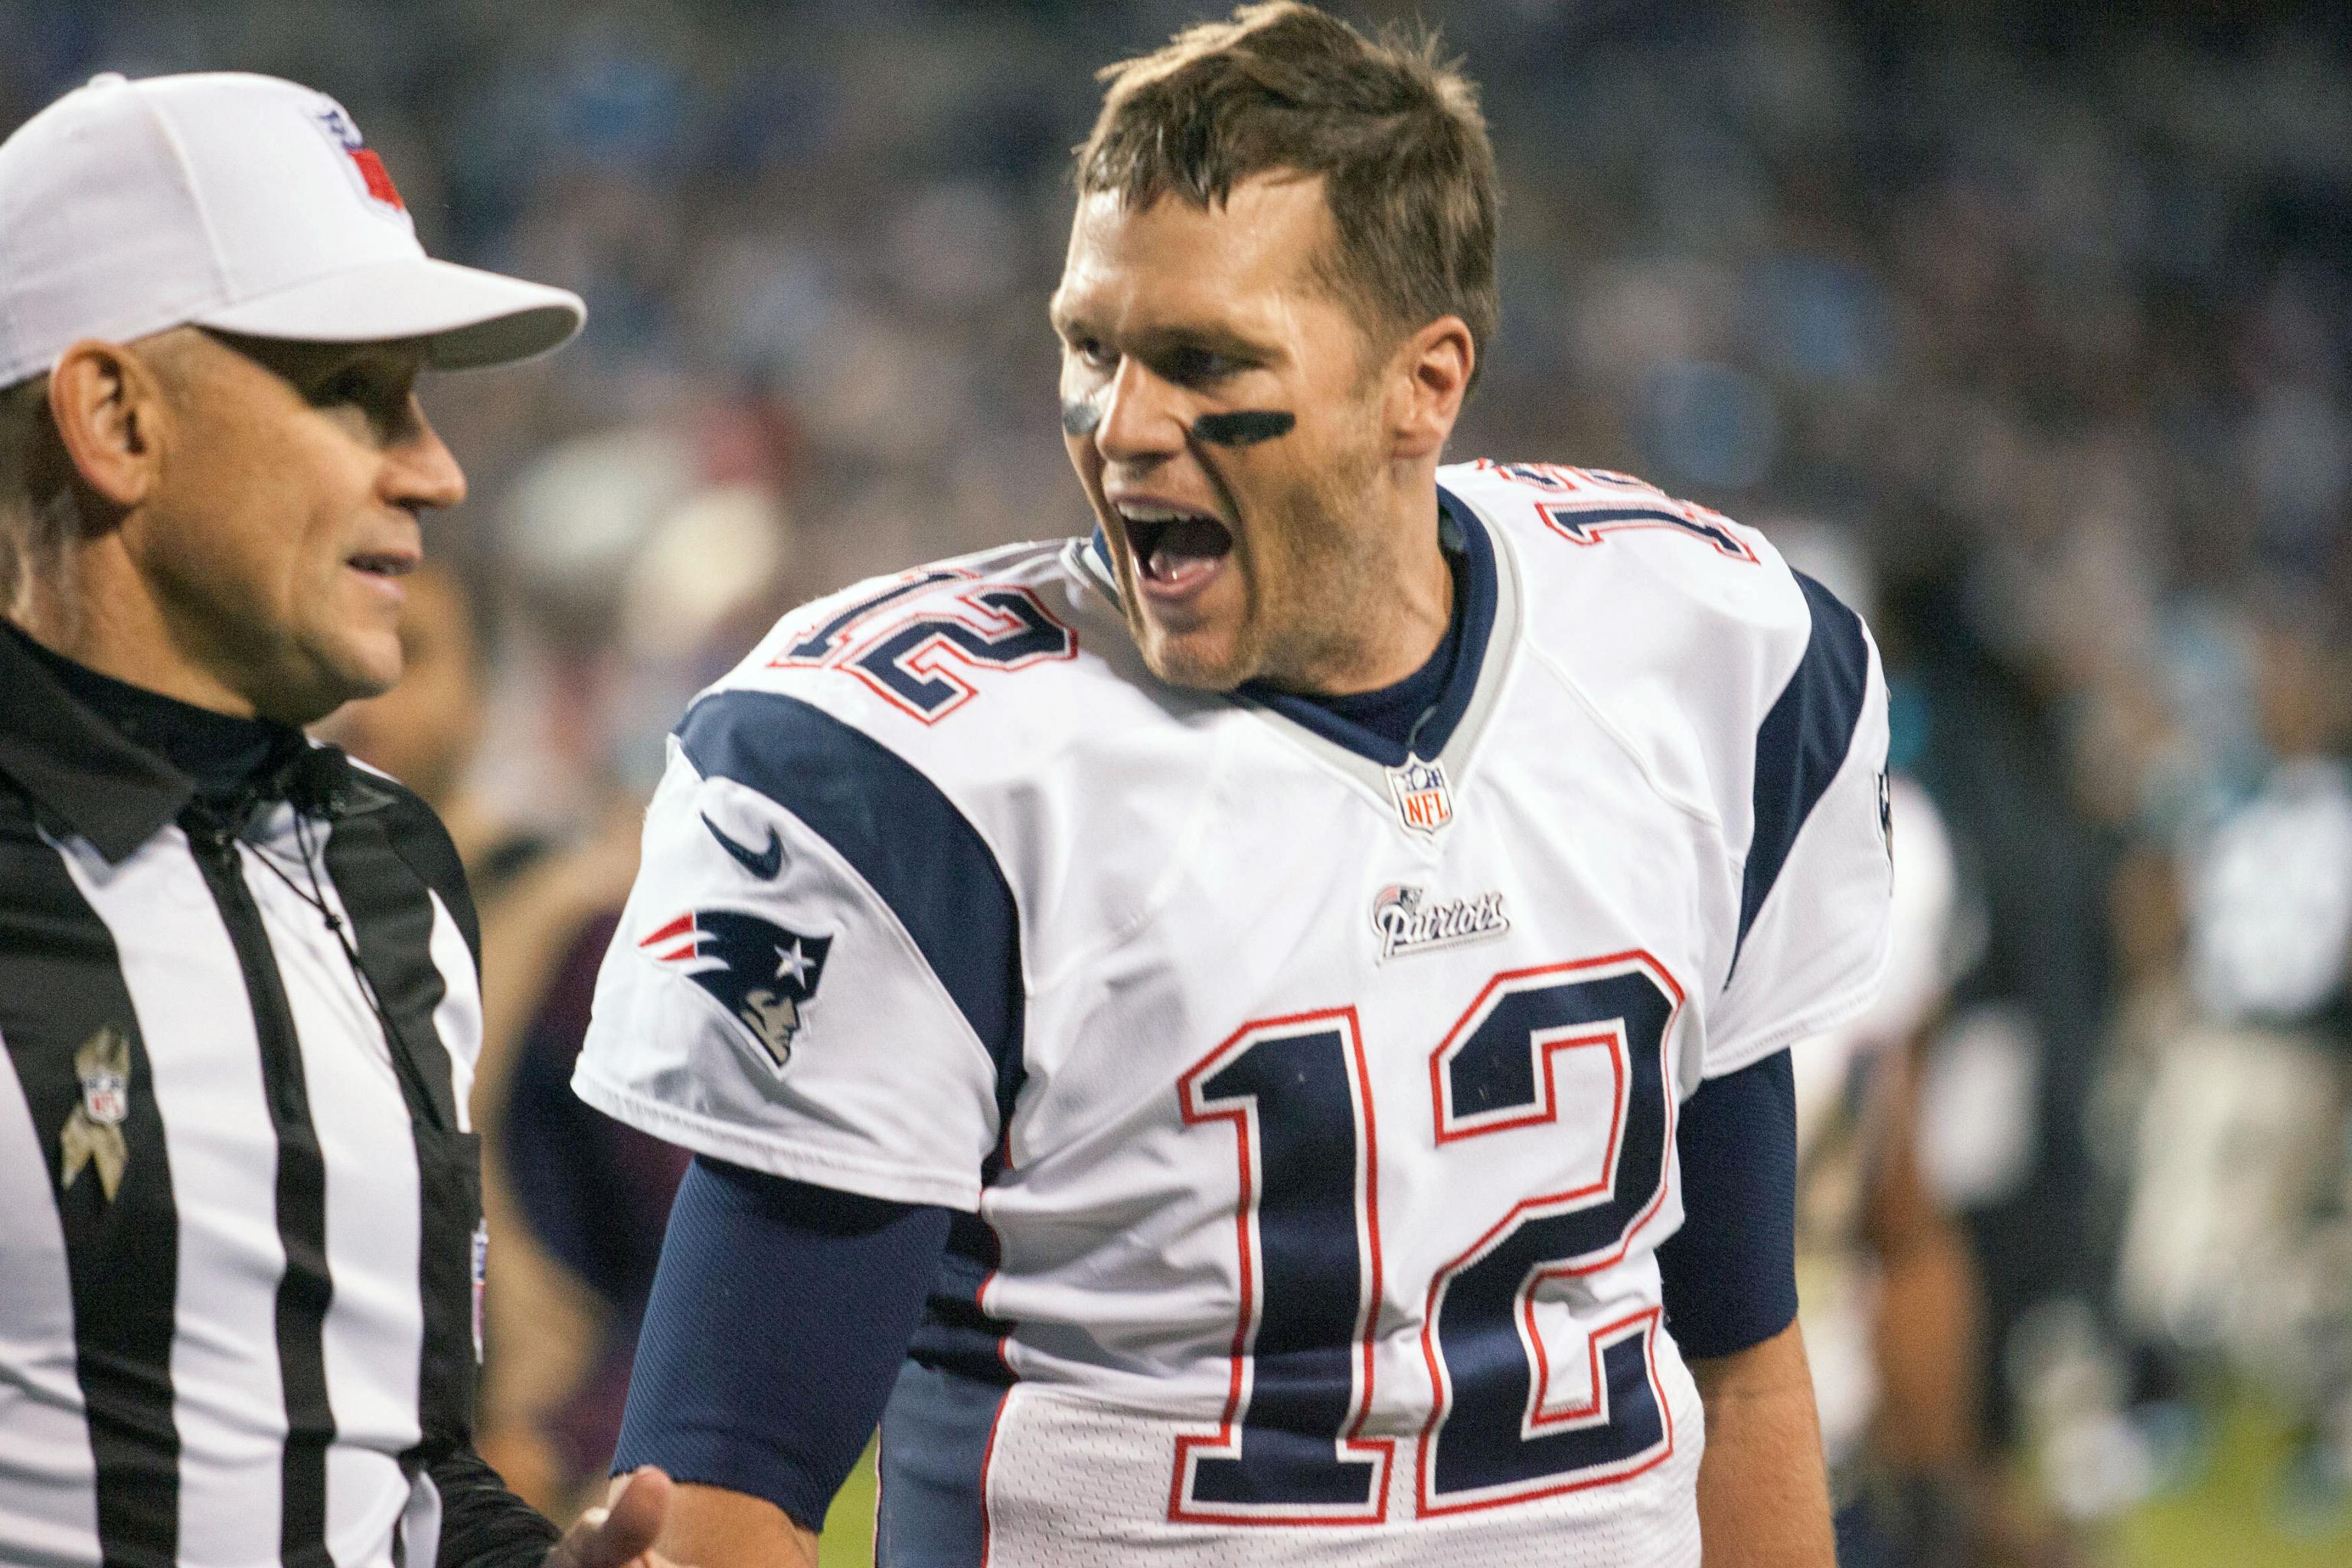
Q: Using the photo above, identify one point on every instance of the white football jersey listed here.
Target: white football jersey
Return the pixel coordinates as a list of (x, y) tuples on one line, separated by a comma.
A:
[(1312, 1100)]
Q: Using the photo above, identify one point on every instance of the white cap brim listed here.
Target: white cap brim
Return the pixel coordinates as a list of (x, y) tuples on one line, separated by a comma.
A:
[(469, 317)]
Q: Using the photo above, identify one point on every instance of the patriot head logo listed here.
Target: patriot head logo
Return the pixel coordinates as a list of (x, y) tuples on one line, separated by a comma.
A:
[(375, 179), (763, 974)]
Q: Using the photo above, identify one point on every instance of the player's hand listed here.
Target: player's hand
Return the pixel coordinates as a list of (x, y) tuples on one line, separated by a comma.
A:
[(620, 1534)]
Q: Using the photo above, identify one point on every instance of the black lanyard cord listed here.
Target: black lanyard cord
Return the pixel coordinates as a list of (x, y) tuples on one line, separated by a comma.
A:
[(421, 1100)]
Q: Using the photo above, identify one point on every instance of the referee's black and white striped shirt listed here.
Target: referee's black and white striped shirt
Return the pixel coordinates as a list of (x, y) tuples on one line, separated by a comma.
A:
[(240, 1249)]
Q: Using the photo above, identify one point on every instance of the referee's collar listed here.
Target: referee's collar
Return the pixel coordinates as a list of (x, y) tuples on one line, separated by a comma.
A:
[(83, 771), (78, 767)]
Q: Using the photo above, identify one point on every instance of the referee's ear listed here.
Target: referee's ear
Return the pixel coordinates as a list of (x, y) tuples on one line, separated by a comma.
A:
[(111, 412)]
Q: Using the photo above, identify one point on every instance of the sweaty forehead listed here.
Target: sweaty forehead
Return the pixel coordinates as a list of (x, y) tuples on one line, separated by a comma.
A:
[(1245, 263)]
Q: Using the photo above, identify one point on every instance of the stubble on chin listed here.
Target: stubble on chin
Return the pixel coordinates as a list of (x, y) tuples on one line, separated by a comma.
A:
[(1195, 663), (1327, 582)]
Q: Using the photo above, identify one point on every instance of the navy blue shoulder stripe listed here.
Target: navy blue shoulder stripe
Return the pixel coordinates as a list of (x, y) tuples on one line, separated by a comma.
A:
[(906, 840), (1803, 741)]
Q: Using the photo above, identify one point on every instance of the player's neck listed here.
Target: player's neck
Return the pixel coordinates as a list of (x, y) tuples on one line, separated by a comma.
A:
[(1398, 616)]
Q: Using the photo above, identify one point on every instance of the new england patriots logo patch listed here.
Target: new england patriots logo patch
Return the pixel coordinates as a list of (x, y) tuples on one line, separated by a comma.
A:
[(763, 974)]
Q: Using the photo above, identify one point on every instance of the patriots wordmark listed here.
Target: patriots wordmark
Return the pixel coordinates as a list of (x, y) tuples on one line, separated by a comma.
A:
[(1408, 920)]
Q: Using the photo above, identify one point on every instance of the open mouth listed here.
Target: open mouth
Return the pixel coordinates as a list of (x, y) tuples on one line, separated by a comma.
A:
[(1174, 549), (385, 564)]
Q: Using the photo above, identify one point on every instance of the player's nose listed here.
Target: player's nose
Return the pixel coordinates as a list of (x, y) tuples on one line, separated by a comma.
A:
[(1143, 417)]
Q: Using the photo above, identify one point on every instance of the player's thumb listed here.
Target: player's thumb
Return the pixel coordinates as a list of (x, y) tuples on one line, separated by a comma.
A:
[(624, 1530)]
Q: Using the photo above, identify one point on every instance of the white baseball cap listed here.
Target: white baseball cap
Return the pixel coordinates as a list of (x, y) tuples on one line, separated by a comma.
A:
[(238, 201)]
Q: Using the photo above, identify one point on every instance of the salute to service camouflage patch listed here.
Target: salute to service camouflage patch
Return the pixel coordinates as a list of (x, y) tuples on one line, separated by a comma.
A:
[(93, 1133)]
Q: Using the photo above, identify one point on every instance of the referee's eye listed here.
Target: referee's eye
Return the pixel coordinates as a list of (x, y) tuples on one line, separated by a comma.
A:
[(384, 394)]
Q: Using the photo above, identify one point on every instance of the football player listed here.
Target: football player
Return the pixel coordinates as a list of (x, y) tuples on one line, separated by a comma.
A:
[(1260, 1034)]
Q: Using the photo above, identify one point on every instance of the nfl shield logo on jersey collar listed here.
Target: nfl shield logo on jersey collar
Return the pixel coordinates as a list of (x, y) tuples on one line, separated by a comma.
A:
[(1424, 802)]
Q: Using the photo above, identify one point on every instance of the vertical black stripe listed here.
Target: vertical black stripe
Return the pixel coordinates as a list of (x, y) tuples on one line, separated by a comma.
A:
[(306, 1290), (61, 981), (374, 858), (1803, 742)]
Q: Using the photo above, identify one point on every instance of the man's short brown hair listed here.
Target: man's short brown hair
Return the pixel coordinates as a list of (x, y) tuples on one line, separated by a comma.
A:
[(1393, 130), (28, 511)]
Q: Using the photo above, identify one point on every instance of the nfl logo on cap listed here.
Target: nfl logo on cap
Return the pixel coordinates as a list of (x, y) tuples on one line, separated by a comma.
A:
[(1422, 798), (375, 178)]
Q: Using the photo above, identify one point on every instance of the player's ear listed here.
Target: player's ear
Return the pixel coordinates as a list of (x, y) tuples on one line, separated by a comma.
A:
[(1432, 375), (110, 408)]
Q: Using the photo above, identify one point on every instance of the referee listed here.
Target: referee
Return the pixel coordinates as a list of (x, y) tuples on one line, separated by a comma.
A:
[(241, 1254)]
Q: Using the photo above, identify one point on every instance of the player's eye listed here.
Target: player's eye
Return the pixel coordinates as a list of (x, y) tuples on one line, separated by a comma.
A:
[(1194, 366), (1091, 352)]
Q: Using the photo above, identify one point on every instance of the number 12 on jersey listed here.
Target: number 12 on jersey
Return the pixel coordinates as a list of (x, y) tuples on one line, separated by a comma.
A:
[(1297, 1095)]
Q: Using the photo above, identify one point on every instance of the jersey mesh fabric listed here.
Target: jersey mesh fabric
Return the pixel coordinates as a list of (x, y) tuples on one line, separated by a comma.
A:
[(1074, 1484)]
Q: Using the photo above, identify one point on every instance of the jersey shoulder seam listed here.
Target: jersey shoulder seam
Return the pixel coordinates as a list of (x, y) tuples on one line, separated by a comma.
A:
[(1698, 811), (738, 1142)]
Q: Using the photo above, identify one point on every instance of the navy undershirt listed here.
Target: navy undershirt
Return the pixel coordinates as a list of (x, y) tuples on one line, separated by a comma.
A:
[(781, 1311), (780, 1314), (1394, 713), (1730, 1274)]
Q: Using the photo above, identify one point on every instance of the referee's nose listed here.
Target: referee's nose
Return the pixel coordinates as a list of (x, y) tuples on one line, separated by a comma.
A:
[(419, 470)]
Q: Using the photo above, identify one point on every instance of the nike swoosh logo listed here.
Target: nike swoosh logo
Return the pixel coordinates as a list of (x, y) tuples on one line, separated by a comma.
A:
[(763, 863)]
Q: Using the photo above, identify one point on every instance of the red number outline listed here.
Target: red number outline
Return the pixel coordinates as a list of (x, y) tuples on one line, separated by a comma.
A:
[(935, 656), (1225, 1442), (1603, 490), (1425, 1503), (892, 596)]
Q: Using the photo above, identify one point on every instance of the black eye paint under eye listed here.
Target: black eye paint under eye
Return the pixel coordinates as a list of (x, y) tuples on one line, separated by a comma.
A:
[(1081, 419), (1244, 426)]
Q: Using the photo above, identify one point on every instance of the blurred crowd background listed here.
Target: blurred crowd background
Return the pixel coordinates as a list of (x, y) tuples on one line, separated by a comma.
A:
[(2028, 326)]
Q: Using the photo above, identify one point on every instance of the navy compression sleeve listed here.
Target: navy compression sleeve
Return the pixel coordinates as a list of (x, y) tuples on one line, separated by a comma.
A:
[(1730, 1273), (780, 1314)]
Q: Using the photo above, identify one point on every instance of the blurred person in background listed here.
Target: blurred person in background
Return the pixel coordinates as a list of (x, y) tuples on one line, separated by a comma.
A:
[(2238, 1245), (426, 731), (1886, 1278), (636, 561), (1886, 1284), (1885, 1281)]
